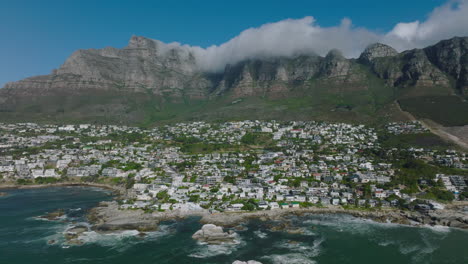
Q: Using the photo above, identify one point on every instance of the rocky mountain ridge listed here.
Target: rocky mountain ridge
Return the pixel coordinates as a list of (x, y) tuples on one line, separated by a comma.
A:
[(153, 65), (169, 72)]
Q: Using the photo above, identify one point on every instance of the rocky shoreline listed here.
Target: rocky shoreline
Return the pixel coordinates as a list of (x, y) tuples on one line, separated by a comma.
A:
[(108, 217), (118, 190), (450, 217)]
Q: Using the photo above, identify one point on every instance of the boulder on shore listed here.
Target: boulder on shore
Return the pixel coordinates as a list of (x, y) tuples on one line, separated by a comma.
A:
[(213, 234)]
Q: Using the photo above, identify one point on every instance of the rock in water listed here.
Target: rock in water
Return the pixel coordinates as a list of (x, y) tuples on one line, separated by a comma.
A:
[(72, 235), (53, 216), (213, 234), (75, 231)]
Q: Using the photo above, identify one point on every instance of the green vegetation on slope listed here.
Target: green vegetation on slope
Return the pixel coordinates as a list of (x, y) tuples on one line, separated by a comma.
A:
[(365, 99), (446, 110), (421, 140)]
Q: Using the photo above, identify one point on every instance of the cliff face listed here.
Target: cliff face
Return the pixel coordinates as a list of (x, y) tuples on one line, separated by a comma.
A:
[(409, 68), (143, 66), (171, 72), (434, 66), (451, 57), (149, 65), (279, 76)]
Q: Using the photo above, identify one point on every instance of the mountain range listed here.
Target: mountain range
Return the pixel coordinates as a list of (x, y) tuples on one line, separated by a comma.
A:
[(149, 82)]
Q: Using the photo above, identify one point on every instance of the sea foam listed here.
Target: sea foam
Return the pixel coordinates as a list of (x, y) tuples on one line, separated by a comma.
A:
[(208, 251), (260, 234), (292, 258)]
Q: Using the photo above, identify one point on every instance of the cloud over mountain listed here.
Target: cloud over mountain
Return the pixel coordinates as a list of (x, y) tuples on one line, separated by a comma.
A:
[(286, 38), (305, 36), (443, 22)]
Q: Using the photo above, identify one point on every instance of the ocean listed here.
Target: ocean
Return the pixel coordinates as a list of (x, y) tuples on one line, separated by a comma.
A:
[(323, 238)]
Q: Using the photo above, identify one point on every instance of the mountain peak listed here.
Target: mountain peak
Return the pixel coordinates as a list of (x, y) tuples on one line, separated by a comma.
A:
[(335, 54), (377, 50), (169, 72), (139, 42)]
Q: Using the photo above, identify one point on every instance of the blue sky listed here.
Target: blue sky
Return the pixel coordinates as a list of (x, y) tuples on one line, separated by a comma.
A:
[(37, 36)]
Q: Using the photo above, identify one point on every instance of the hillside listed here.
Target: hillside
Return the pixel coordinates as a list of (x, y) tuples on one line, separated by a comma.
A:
[(149, 82)]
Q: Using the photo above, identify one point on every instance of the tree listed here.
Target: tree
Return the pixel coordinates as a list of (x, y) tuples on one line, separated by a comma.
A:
[(442, 194), (230, 179), (248, 139), (367, 191), (194, 198), (440, 183), (464, 195), (45, 180), (23, 181), (162, 195), (187, 140), (249, 205), (295, 183), (130, 181), (276, 178), (306, 204), (132, 166)]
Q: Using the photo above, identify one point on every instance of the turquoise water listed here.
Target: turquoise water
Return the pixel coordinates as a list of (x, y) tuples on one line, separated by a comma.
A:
[(325, 238)]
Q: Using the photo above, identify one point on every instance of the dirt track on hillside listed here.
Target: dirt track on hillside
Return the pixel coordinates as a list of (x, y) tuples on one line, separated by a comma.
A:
[(445, 132), (457, 135)]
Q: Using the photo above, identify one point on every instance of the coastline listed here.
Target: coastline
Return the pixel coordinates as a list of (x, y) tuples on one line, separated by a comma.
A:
[(448, 218), (108, 217), (116, 189), (71, 232)]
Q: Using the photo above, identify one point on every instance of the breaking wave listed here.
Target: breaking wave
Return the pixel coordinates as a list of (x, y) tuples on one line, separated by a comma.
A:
[(350, 224), (292, 258), (208, 251), (260, 234), (305, 248), (113, 240)]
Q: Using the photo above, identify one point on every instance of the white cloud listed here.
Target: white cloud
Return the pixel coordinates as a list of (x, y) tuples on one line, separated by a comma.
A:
[(286, 38), (304, 36), (444, 22)]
